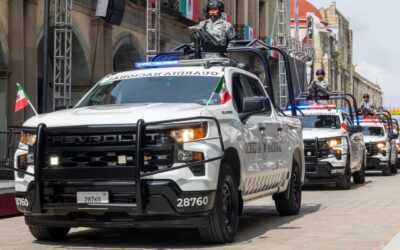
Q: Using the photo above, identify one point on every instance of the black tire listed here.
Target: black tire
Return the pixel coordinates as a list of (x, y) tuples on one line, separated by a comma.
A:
[(393, 169), (223, 220), (291, 206), (359, 177), (386, 171), (49, 233), (345, 182)]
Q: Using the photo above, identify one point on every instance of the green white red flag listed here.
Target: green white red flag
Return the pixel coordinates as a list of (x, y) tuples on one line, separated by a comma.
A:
[(222, 91), (22, 98)]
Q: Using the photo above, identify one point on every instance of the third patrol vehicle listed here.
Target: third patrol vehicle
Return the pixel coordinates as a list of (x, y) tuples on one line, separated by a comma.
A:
[(380, 138)]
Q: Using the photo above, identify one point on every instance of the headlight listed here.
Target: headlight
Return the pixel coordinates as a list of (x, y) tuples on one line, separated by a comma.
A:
[(381, 145), (188, 135), (334, 142), (28, 139)]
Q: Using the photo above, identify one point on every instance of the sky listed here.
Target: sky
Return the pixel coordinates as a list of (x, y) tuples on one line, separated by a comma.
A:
[(376, 44)]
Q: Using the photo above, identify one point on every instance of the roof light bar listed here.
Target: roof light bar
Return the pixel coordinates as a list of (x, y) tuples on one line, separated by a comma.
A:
[(199, 62), (317, 106)]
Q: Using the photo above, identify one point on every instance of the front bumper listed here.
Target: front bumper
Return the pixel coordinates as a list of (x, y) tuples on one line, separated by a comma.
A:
[(162, 205), (377, 162), (323, 171)]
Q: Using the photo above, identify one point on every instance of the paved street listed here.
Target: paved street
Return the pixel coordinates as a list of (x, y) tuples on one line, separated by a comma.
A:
[(365, 217)]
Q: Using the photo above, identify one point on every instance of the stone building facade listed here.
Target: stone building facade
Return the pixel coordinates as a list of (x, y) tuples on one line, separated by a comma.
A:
[(330, 35)]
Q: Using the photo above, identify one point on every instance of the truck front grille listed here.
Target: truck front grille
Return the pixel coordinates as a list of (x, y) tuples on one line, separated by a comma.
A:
[(109, 149), (320, 150), (372, 148)]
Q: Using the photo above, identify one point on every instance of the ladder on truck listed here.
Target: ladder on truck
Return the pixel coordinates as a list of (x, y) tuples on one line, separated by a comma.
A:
[(62, 53), (283, 32), (153, 28)]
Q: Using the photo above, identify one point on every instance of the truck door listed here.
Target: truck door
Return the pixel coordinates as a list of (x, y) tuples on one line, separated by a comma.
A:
[(252, 144), (356, 145), (271, 137)]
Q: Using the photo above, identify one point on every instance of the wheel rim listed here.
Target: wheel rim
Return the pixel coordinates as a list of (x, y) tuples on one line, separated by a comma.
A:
[(296, 188), (227, 206)]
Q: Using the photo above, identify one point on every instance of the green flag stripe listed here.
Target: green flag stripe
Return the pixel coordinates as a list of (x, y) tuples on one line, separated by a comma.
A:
[(19, 88), (221, 83)]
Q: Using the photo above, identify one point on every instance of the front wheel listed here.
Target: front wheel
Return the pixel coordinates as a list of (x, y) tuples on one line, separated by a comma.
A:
[(291, 206), (345, 182), (49, 233), (386, 171), (223, 220), (359, 177)]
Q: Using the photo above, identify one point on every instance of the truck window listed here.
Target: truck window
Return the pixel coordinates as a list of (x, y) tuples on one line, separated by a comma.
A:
[(171, 89), (254, 86), (321, 121), (373, 131)]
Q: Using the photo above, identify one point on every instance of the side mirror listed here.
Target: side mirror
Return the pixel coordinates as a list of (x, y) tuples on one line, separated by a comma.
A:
[(393, 136), (255, 105)]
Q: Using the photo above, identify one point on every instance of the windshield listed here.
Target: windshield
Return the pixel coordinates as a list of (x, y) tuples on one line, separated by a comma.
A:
[(373, 131), (174, 89), (321, 121)]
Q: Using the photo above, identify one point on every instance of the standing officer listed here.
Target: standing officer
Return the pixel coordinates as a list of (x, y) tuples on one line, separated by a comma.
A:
[(320, 82), (220, 29)]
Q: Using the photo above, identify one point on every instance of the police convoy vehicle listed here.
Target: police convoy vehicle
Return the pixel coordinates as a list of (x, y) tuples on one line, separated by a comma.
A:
[(174, 144), (334, 145), (380, 139)]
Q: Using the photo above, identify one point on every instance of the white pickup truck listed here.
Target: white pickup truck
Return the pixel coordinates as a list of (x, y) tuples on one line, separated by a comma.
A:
[(155, 147), (333, 152), (381, 145)]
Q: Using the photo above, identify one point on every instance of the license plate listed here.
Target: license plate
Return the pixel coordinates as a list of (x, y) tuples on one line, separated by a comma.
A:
[(92, 197)]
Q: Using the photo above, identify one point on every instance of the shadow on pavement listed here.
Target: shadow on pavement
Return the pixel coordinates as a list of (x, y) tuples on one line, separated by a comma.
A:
[(255, 222)]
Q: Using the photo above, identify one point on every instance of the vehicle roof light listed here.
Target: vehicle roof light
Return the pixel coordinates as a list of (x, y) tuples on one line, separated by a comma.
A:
[(194, 62), (317, 106), (155, 64)]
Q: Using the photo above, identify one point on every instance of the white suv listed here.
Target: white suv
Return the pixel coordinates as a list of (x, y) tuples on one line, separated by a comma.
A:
[(333, 152), (156, 148), (381, 146)]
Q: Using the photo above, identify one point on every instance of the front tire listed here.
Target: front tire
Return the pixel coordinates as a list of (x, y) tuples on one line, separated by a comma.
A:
[(291, 206), (223, 220), (345, 182), (49, 233), (359, 177), (386, 171)]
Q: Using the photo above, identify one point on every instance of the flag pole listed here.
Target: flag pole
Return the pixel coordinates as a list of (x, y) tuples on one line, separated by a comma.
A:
[(33, 108)]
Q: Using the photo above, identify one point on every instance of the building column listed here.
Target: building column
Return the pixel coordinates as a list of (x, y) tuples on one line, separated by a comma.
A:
[(254, 13), (97, 49), (30, 62), (242, 11), (4, 74), (108, 49), (230, 9), (16, 45)]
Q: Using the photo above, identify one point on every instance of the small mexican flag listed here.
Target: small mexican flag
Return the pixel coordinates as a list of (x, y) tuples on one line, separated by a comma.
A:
[(22, 98), (222, 91)]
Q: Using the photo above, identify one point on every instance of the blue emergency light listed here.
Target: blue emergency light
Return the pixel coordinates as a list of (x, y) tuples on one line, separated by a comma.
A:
[(155, 64)]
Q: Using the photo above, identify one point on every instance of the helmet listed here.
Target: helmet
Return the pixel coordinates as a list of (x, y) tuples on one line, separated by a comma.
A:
[(320, 72), (215, 4), (366, 96)]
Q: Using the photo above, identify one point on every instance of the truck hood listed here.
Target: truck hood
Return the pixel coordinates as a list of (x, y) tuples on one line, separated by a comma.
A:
[(321, 133), (368, 138), (116, 114)]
